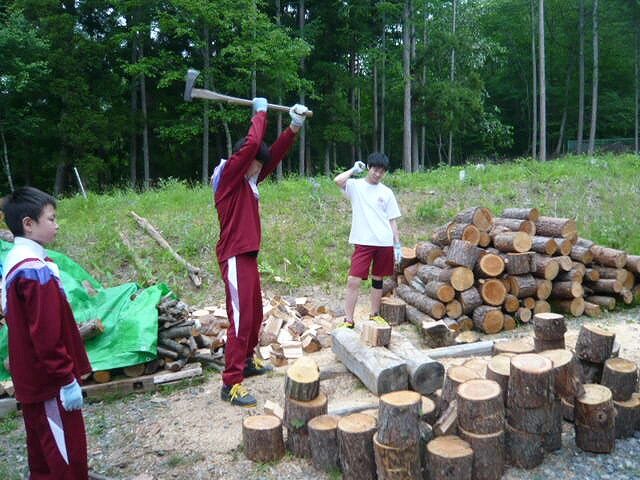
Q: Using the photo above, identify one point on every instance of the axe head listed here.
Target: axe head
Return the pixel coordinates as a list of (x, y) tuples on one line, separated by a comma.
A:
[(190, 79)]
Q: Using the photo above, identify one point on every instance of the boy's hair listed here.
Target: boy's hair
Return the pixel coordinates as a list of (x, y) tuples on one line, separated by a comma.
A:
[(378, 159), (24, 202), (263, 155)]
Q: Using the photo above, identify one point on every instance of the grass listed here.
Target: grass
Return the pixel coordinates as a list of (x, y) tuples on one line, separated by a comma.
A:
[(306, 222), (9, 423)]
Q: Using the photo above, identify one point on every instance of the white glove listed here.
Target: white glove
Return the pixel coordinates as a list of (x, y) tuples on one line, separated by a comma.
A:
[(297, 114), (397, 252), (358, 167), (71, 396), (259, 104)]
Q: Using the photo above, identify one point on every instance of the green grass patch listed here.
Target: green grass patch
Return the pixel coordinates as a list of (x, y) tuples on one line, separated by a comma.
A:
[(9, 423)]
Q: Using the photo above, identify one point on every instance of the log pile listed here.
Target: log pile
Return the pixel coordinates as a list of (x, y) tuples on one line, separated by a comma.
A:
[(490, 273)]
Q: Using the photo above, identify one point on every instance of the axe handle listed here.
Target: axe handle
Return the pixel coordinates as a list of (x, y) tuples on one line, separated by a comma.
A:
[(210, 95)]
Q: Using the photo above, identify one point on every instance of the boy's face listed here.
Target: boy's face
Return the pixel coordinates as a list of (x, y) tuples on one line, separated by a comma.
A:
[(254, 169), (376, 174), (44, 229)]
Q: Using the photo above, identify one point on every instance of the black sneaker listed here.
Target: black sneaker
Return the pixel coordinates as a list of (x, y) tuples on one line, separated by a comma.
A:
[(255, 366), (237, 395)]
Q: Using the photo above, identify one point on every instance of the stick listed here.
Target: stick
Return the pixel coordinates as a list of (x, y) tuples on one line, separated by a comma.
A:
[(209, 95), (194, 272)]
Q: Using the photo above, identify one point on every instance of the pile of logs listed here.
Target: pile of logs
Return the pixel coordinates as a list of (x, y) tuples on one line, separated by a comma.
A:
[(491, 273)]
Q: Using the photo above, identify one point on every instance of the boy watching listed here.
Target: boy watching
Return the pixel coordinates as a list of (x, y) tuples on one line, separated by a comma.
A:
[(46, 353), (374, 231)]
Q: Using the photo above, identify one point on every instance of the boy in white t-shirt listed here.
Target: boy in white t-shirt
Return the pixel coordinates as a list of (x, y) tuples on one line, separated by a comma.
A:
[(374, 232)]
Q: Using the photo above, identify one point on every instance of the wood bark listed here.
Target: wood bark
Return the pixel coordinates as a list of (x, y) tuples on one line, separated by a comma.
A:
[(423, 303), (427, 252), (470, 299), (449, 458), (566, 372), (608, 303), (523, 286), (595, 419), (594, 344), (302, 381), (609, 257), (425, 374), (621, 377), (323, 442), (530, 381), (393, 310), (549, 326), (488, 319), (543, 245), (480, 406), (396, 463), (520, 263), (627, 416), (398, 419), (516, 225), (462, 254), (556, 227), (523, 449), (355, 446), (296, 417), (488, 454), (262, 439)]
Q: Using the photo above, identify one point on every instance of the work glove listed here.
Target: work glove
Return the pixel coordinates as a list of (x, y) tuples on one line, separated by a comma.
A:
[(71, 396), (259, 104), (397, 252), (297, 114), (358, 167)]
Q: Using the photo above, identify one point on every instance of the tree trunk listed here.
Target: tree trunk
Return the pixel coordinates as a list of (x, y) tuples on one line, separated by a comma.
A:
[(302, 142), (594, 95), (383, 84), (534, 75), (637, 102), (279, 174), (406, 62), (452, 77), (145, 130), (5, 158), (375, 108), (205, 113), (542, 81), (563, 122), (581, 81), (423, 81), (133, 149)]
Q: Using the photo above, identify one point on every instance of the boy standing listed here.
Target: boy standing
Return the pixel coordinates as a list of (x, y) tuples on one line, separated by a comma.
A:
[(46, 354), (374, 231), (235, 185)]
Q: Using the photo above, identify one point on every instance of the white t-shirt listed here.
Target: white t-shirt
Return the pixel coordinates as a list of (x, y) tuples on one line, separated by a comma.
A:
[(372, 207)]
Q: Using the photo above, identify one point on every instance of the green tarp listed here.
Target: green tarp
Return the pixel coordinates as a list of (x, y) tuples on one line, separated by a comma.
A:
[(128, 314)]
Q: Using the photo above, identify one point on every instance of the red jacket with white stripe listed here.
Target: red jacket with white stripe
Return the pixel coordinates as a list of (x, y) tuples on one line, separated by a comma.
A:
[(236, 199), (46, 351)]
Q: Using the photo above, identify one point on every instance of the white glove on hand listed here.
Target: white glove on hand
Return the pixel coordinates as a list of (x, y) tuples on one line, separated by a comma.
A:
[(358, 167), (397, 252), (297, 114), (259, 104), (71, 396)]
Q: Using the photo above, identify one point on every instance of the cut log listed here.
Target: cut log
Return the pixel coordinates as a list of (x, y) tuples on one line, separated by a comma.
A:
[(466, 232), (479, 216), (530, 381), (608, 303), (573, 275), (440, 235), (566, 372), (564, 246), (455, 376), (567, 409), (627, 416), (478, 364), (552, 438), (393, 310), (513, 347), (262, 439), (621, 377), (423, 303), (297, 415), (480, 406), (398, 419), (323, 442), (498, 370), (394, 463), (492, 291), (416, 317), (606, 286), (436, 334), (564, 262), (592, 310), (516, 225), (449, 458), (530, 420), (520, 263), (509, 322), (574, 307), (488, 319), (389, 284), (427, 252), (543, 245), (633, 264), (528, 302), (465, 323), (91, 329), (470, 299), (522, 213), (594, 344), (133, 371), (556, 227), (355, 446), (542, 306), (425, 374), (567, 290), (581, 254), (543, 288), (542, 345), (407, 258), (440, 291), (545, 267), (453, 309), (100, 376), (489, 265), (375, 334), (488, 454), (549, 326), (591, 275), (462, 254), (464, 350), (595, 419), (467, 336), (512, 242), (511, 303), (523, 286), (523, 315), (609, 257), (302, 381), (428, 410), (590, 372), (523, 449)]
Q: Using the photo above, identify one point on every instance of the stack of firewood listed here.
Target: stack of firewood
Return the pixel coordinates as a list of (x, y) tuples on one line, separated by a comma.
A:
[(491, 273)]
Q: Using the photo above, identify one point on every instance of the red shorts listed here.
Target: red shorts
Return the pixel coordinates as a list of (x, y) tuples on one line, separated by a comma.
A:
[(364, 255)]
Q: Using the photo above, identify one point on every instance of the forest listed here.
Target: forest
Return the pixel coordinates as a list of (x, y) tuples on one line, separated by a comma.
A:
[(93, 89)]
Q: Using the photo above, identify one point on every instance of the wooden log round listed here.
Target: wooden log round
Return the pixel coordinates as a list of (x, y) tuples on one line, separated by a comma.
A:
[(396, 463), (543, 288), (489, 265), (556, 227), (462, 254), (627, 416), (518, 242), (530, 420), (565, 262), (470, 299), (573, 275), (608, 303), (393, 310), (479, 216), (453, 309), (407, 258), (520, 263), (498, 370), (621, 377), (530, 381), (449, 458), (521, 213), (355, 446), (480, 406), (549, 326), (460, 278), (513, 347), (592, 310), (542, 306), (605, 286), (398, 418), (552, 439), (455, 376), (466, 232), (543, 245), (262, 439), (428, 410), (440, 291), (323, 442), (523, 449), (465, 323), (528, 302), (488, 454), (492, 291), (581, 254), (594, 344), (440, 235), (567, 290), (427, 252), (296, 417), (523, 286), (540, 345), (595, 419), (511, 303), (478, 364), (423, 303), (302, 381), (523, 315), (609, 257), (545, 267), (425, 374), (575, 307), (566, 372), (488, 319)]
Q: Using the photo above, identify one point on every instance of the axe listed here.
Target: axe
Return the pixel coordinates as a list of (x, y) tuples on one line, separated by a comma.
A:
[(190, 93)]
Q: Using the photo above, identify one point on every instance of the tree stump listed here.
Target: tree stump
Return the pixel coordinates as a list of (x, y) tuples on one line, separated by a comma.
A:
[(393, 310), (566, 372), (514, 347), (542, 345), (488, 319), (594, 344), (492, 291), (530, 381), (323, 442), (523, 449), (462, 254), (455, 376), (355, 446), (296, 417), (375, 334), (549, 326), (398, 418), (621, 376), (449, 458), (480, 406), (470, 299), (627, 416), (498, 370), (394, 463), (262, 438), (302, 381), (595, 419), (427, 252), (488, 454), (552, 438)]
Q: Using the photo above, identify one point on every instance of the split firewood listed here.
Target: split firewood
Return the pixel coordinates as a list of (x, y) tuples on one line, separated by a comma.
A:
[(91, 329)]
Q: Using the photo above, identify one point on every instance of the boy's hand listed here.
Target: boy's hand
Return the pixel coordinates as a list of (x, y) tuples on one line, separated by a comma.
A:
[(71, 396), (297, 114), (397, 252), (260, 104), (358, 167)]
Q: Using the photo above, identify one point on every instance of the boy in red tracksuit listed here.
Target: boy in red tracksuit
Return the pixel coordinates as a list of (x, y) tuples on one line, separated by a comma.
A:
[(46, 353), (235, 185)]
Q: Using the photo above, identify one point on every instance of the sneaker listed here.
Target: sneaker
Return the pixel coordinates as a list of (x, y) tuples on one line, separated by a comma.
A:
[(350, 325), (237, 395), (255, 366), (378, 319)]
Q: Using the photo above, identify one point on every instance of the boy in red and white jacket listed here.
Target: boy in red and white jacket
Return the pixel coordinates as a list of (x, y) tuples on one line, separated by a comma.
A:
[(235, 186), (46, 353)]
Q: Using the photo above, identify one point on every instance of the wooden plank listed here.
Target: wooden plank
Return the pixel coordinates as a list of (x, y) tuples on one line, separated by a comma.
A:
[(464, 350), (190, 371), (127, 385)]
